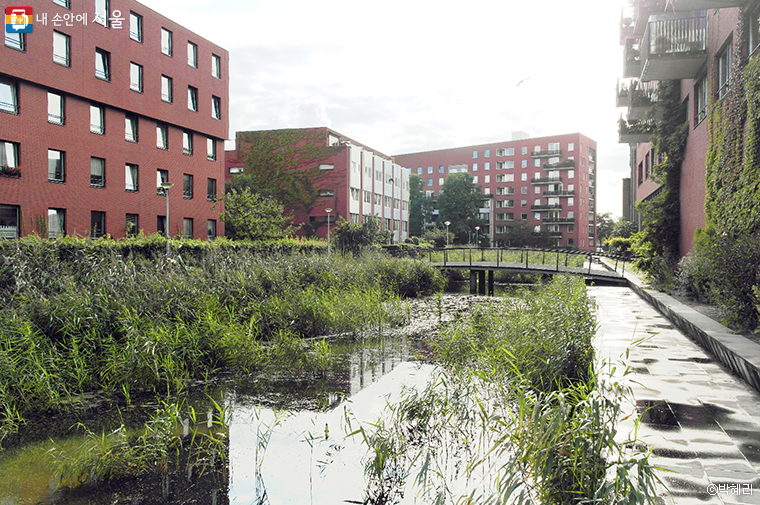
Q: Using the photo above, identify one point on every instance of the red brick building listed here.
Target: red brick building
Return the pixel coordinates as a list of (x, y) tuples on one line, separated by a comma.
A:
[(544, 184), (355, 181), (102, 101), (696, 42)]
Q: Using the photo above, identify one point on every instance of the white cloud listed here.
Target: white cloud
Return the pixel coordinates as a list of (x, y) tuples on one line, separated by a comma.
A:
[(417, 75)]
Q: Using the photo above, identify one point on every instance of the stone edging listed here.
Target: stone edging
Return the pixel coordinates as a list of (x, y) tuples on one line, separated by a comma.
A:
[(739, 354)]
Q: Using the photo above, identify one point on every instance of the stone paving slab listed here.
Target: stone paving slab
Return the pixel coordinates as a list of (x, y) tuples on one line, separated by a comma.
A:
[(698, 418)]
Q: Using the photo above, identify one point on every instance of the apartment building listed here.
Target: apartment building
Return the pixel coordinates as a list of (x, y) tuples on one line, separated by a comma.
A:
[(543, 184), (354, 181), (696, 42), (102, 101)]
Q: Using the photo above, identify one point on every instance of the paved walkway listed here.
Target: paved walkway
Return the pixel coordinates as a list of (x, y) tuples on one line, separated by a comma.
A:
[(698, 418)]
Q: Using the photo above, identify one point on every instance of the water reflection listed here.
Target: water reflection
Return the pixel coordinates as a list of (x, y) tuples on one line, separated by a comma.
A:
[(286, 437)]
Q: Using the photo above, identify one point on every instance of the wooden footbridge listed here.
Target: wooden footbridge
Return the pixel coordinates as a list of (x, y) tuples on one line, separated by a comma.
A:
[(595, 267)]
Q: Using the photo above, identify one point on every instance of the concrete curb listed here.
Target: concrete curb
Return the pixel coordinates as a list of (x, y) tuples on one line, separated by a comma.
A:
[(739, 354)]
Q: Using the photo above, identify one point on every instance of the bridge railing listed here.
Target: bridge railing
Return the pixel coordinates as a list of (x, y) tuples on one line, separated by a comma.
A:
[(521, 255)]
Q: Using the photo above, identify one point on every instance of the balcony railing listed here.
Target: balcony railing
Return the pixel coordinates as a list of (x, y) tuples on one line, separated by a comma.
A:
[(632, 59), (696, 5), (674, 47), (635, 133), (545, 180), (559, 220), (562, 193), (545, 206), (623, 96), (642, 10), (565, 164), (549, 153)]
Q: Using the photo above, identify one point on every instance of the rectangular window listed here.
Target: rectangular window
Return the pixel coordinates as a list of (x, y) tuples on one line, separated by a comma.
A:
[(162, 176), (724, 70), (135, 27), (130, 177), (8, 95), (56, 109), (524, 164), (187, 186), (192, 55), (327, 166), (15, 41), (216, 66), (166, 89), (571, 146), (9, 157), (9, 221), (97, 224), (216, 107), (61, 49), (166, 42), (537, 162), (523, 177), (161, 225), (97, 172), (487, 153), (211, 229), (97, 120), (524, 190), (474, 167), (486, 179), (474, 155), (554, 146), (475, 180), (487, 165), (571, 174), (187, 143), (192, 98), (135, 77), (102, 64), (130, 128), (430, 182), (440, 181), (187, 228), (442, 170), (56, 166), (211, 190), (132, 225), (56, 223), (162, 136), (211, 149), (102, 12)]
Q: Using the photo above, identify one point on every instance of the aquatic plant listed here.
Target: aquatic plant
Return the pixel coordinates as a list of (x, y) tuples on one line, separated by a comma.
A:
[(516, 414)]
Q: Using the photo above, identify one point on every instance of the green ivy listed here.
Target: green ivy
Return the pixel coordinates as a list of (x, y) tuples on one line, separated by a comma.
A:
[(658, 242), (732, 193)]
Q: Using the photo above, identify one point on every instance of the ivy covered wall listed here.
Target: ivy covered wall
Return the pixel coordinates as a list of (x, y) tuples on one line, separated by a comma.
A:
[(732, 199)]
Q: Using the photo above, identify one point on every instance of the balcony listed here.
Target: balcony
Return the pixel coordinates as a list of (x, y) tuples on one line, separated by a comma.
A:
[(559, 220), (549, 153), (696, 5), (632, 59), (642, 10), (562, 193), (643, 96), (674, 47), (623, 97), (561, 165), (635, 132), (545, 180), (547, 206), (555, 234)]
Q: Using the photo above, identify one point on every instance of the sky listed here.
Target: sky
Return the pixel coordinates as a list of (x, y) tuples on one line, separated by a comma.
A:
[(406, 76)]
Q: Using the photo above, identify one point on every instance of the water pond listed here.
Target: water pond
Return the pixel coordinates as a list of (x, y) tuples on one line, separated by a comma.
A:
[(284, 436)]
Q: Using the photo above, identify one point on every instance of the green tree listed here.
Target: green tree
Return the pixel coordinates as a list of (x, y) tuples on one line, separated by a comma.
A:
[(459, 202), (248, 215), (285, 165), (352, 237), (420, 207), (604, 224)]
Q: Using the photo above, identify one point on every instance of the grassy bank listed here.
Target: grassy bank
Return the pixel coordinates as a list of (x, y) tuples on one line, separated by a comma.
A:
[(81, 318), (516, 414)]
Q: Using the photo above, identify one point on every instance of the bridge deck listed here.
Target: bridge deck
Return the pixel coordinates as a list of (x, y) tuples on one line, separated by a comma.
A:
[(596, 272)]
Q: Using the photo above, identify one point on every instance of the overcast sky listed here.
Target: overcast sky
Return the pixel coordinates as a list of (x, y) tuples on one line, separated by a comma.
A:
[(414, 75)]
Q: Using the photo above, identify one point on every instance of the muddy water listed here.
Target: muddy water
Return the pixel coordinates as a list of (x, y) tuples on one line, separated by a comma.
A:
[(287, 439)]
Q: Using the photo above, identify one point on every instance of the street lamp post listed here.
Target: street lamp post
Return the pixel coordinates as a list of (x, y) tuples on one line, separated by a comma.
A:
[(328, 210), (447, 223), (166, 185), (477, 236)]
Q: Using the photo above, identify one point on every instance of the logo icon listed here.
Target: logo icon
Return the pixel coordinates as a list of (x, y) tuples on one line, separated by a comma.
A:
[(18, 20)]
